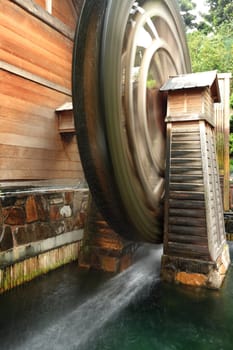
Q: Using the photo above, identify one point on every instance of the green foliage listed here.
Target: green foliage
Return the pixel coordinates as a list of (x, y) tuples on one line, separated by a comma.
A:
[(211, 45), (231, 124), (186, 7), (210, 52), (231, 103), (221, 11), (231, 145), (231, 165)]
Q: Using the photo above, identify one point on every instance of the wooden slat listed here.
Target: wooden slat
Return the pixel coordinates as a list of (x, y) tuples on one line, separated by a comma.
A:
[(178, 153), (194, 145), (194, 222), (189, 195), (186, 187), (30, 174), (186, 171), (192, 239), (187, 213), (188, 250), (19, 152), (29, 91), (180, 137), (186, 179), (28, 141), (17, 163), (187, 230), (183, 161), (186, 204)]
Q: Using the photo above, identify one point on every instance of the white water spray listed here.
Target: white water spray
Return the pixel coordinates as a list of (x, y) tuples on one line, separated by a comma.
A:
[(78, 326)]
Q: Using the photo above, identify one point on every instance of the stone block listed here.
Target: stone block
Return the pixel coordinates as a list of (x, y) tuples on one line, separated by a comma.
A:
[(42, 208), (6, 239), (14, 216), (31, 209), (69, 224), (54, 213), (191, 279), (41, 230), (22, 235), (66, 211), (58, 227), (69, 197), (33, 232), (8, 201)]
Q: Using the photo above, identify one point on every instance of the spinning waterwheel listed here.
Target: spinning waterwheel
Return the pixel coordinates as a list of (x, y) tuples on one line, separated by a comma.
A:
[(124, 52)]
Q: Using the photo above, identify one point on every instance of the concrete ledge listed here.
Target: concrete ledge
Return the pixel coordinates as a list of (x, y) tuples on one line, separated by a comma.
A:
[(23, 252)]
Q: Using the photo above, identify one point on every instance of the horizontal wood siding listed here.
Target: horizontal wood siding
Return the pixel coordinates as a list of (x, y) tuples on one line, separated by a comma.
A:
[(191, 102), (32, 45), (31, 147)]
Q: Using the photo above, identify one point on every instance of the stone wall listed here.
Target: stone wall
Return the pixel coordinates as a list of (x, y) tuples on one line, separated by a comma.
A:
[(39, 222)]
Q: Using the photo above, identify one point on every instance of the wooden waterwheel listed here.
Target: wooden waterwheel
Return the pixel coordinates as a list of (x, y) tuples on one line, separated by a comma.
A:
[(124, 51)]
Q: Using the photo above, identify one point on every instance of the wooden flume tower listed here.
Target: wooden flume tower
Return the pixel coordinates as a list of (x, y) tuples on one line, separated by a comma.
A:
[(195, 249)]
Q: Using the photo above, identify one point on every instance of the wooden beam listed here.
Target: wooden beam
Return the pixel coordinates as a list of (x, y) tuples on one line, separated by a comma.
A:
[(33, 77), (37, 11)]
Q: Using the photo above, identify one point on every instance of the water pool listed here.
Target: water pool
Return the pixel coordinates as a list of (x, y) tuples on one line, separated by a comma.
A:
[(88, 310)]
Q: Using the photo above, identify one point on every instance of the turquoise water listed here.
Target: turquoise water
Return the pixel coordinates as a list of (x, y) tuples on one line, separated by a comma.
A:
[(171, 319), (76, 309)]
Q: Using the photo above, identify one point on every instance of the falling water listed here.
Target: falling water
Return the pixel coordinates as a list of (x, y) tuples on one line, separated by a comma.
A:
[(79, 326)]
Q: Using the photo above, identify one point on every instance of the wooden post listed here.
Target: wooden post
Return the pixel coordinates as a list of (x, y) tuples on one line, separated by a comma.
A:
[(195, 249)]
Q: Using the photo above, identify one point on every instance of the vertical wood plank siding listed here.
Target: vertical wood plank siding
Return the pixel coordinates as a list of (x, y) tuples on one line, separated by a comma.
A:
[(222, 114), (31, 147)]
